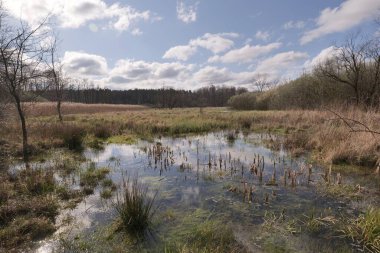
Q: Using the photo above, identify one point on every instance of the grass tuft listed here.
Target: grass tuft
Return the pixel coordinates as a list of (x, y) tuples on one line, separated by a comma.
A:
[(365, 230), (135, 207)]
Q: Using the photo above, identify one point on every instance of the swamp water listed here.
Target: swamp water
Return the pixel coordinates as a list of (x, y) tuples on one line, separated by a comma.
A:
[(265, 197)]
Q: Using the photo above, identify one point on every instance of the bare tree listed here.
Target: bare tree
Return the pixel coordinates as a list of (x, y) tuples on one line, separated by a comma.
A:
[(262, 82), (22, 66), (352, 65), (59, 81), (373, 73)]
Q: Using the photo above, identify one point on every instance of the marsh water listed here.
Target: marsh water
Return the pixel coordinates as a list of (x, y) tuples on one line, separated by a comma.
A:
[(237, 180)]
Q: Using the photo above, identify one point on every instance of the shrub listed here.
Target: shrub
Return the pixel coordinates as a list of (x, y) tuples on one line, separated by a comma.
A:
[(102, 131), (73, 136)]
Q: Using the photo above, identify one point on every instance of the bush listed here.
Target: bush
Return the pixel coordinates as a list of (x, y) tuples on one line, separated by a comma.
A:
[(73, 136), (245, 101), (102, 131)]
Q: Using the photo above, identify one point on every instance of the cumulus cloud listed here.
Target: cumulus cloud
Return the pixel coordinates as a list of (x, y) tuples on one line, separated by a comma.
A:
[(76, 13), (282, 64), (130, 74), (187, 13), (349, 14), (262, 35), (182, 53), (213, 75), (323, 56), (245, 54), (294, 25), (215, 43), (81, 64)]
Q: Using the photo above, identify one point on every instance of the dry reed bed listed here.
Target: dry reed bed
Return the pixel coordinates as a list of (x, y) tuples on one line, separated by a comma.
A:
[(49, 108), (318, 131)]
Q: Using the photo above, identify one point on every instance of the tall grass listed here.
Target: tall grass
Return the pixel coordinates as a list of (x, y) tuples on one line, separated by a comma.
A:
[(365, 230), (135, 207)]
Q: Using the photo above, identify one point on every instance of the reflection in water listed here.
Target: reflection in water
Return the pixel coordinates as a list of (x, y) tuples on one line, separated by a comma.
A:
[(240, 180)]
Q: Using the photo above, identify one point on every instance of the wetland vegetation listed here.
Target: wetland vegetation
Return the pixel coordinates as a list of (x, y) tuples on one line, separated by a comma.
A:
[(208, 181), (290, 166)]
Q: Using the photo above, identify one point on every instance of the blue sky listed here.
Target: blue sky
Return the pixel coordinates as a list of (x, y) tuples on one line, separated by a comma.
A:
[(189, 44)]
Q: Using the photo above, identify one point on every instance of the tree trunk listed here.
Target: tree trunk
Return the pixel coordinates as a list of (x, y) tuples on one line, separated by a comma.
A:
[(59, 110), (25, 148)]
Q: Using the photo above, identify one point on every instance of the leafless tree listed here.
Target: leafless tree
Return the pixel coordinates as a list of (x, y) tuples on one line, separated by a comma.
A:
[(59, 81), (22, 66), (373, 73), (262, 83), (356, 64)]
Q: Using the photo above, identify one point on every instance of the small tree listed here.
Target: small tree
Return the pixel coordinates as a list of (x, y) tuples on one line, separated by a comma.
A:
[(57, 77), (356, 64), (22, 66), (262, 83)]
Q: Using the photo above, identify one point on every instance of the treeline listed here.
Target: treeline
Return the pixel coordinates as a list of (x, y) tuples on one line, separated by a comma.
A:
[(350, 76), (164, 97)]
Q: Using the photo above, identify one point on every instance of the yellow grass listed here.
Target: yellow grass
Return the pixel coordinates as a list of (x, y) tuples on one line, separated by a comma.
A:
[(49, 108), (318, 131)]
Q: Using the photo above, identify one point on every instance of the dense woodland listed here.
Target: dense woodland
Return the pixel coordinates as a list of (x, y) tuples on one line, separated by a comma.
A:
[(164, 97)]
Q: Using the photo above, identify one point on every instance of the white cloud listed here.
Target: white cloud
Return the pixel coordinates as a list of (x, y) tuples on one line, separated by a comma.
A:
[(324, 55), (294, 25), (349, 14), (130, 74), (245, 54), (141, 74), (136, 32), (282, 64), (182, 53), (187, 13), (213, 75), (84, 64), (76, 13), (262, 35), (215, 43)]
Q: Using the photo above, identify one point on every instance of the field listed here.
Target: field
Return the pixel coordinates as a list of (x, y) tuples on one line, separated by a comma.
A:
[(210, 160)]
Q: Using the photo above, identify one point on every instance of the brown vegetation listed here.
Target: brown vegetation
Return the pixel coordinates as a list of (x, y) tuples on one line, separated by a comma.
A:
[(319, 131), (49, 108)]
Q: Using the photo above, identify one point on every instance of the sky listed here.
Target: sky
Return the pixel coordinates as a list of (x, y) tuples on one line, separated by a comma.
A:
[(188, 44)]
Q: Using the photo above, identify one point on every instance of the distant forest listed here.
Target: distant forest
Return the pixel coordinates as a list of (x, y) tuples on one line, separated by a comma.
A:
[(164, 97)]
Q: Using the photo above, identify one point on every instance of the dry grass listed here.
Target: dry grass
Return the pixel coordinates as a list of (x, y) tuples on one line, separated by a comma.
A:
[(49, 108), (318, 131)]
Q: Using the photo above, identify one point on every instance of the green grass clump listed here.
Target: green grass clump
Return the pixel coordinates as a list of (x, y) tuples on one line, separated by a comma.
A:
[(212, 236), (135, 207), (122, 139), (365, 230), (208, 236), (92, 176)]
